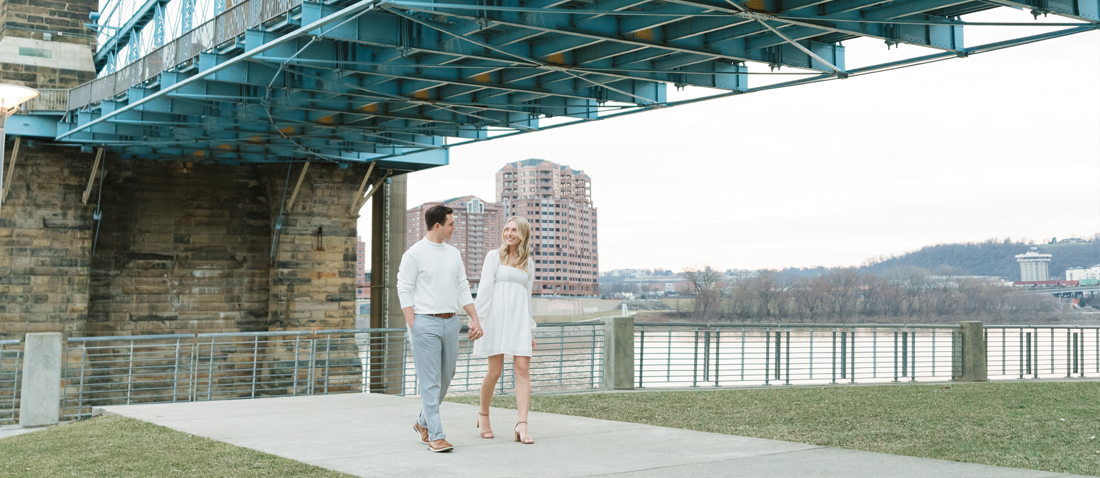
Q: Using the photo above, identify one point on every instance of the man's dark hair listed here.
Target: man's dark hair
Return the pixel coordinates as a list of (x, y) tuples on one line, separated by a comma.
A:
[(437, 215)]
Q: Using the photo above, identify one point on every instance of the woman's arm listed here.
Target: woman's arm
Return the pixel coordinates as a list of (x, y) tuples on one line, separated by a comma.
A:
[(488, 282), (531, 293)]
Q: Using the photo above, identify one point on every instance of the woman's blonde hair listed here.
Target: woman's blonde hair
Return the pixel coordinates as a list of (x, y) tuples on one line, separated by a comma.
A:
[(524, 230)]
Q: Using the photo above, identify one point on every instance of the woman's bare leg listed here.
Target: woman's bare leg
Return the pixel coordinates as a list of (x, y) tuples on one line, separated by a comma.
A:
[(488, 384), (522, 367)]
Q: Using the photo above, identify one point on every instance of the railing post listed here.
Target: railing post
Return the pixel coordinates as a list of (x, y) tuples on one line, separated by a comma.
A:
[(695, 360), (974, 360), (834, 357), (40, 402), (767, 354), (618, 367)]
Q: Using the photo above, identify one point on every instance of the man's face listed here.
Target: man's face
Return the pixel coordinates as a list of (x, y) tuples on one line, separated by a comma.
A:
[(448, 227)]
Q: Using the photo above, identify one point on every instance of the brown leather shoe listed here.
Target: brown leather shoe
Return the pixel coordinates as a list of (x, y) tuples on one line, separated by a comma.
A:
[(422, 431), (440, 445)]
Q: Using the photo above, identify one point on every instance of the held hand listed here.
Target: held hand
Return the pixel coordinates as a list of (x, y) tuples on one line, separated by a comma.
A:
[(532, 343), (475, 330)]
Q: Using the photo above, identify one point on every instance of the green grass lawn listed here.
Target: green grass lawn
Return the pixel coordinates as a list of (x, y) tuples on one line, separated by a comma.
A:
[(122, 447), (1006, 424)]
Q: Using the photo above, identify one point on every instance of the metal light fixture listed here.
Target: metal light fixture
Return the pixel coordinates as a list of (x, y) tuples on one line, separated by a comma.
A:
[(11, 96)]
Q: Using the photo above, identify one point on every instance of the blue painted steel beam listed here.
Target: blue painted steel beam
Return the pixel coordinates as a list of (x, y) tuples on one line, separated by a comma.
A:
[(444, 42), (357, 84), (125, 34), (293, 35), (560, 25), (158, 25), (734, 51), (1084, 10), (940, 37), (187, 15)]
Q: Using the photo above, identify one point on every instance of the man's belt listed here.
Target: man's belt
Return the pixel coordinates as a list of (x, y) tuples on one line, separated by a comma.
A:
[(444, 316)]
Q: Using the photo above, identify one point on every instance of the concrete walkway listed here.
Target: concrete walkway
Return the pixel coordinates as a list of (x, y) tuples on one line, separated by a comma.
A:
[(371, 435), (13, 430)]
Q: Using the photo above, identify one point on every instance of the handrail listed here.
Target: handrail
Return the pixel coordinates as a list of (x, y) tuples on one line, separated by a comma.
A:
[(273, 333), (130, 337), (796, 326), (224, 27), (1033, 326)]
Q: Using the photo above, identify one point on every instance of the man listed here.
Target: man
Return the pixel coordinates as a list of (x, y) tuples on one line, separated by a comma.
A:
[(432, 285)]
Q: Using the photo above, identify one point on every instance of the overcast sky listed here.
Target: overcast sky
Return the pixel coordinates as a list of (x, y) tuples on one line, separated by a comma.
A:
[(1002, 144)]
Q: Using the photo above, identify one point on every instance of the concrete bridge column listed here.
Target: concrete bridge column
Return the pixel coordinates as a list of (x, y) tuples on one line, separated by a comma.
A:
[(40, 404), (973, 354), (618, 339), (388, 233)]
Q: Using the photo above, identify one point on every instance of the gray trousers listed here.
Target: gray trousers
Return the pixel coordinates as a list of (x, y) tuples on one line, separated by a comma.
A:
[(434, 351)]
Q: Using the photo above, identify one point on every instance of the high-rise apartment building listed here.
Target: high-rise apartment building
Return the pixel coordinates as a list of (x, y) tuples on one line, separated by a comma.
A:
[(1033, 265), (478, 226), (557, 201)]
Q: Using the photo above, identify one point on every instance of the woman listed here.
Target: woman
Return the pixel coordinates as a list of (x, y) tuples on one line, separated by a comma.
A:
[(504, 305)]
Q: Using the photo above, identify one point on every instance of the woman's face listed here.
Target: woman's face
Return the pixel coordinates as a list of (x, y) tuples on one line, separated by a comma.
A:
[(511, 234)]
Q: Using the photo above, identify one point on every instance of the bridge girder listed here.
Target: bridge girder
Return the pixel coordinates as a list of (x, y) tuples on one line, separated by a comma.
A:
[(389, 80)]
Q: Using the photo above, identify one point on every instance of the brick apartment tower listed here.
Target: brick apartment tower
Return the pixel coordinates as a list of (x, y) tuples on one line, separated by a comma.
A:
[(478, 226), (557, 201)]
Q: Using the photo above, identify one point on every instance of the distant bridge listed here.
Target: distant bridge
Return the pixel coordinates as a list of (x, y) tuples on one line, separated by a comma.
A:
[(1079, 291), (398, 82)]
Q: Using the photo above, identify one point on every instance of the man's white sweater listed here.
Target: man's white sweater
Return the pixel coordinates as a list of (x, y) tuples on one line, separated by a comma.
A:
[(432, 280)]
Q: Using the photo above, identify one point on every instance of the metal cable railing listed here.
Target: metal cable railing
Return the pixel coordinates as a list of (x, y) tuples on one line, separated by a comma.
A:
[(11, 355), (225, 366), (566, 356), (669, 355), (1035, 351)]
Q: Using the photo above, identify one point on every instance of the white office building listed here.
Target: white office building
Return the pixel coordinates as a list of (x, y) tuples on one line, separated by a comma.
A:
[(1080, 273), (1034, 266)]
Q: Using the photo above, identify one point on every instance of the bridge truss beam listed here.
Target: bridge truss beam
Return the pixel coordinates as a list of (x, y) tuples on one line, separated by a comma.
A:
[(400, 81)]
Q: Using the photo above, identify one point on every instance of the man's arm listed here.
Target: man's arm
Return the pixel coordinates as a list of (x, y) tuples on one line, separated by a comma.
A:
[(406, 285), (475, 325), (467, 301)]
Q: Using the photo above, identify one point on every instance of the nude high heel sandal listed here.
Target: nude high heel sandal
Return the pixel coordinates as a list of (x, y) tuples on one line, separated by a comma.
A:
[(488, 434), (526, 440)]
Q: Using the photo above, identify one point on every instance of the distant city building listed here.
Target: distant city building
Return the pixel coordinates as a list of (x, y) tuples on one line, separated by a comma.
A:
[(478, 226), (1080, 273), (557, 201), (627, 273), (1033, 265)]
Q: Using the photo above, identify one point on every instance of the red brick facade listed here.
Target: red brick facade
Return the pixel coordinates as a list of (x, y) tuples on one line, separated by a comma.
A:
[(557, 201)]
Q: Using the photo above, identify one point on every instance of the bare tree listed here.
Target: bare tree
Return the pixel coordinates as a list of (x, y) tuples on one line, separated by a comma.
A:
[(706, 283), (810, 297), (843, 287), (772, 290)]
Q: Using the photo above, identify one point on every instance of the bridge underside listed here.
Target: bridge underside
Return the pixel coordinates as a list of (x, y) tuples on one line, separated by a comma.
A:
[(398, 82)]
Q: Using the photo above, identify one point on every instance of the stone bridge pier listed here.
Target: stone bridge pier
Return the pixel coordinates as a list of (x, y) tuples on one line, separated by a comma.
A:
[(186, 246)]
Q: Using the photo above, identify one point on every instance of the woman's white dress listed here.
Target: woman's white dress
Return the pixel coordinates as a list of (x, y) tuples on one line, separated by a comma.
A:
[(504, 307)]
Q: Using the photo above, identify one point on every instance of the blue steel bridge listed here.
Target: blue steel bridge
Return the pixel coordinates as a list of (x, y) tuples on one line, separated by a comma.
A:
[(396, 83)]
